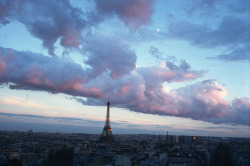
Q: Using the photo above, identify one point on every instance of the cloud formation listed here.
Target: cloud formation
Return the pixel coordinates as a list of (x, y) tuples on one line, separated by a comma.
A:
[(142, 90), (202, 7), (241, 110), (226, 34), (207, 8), (47, 20), (156, 53), (134, 13), (58, 20), (237, 54), (200, 101), (29, 70), (106, 53), (111, 64)]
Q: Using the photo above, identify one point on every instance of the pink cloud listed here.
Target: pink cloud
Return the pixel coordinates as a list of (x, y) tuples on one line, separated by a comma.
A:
[(155, 76), (125, 89), (142, 90), (2, 65), (56, 20), (189, 102), (36, 77), (34, 71), (134, 13), (47, 20)]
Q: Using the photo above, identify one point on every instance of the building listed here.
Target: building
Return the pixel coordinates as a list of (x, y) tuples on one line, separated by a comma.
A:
[(107, 136)]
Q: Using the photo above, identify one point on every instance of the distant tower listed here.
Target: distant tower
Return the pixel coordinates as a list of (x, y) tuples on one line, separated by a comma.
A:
[(107, 136), (167, 139)]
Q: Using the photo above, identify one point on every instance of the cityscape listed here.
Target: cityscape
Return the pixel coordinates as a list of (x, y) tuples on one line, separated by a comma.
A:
[(41, 148), (75, 149), (124, 82)]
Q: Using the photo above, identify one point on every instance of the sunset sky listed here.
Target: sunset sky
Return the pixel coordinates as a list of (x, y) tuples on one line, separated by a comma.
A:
[(165, 65)]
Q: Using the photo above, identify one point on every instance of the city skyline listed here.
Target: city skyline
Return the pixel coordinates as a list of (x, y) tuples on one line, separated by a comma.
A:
[(176, 66)]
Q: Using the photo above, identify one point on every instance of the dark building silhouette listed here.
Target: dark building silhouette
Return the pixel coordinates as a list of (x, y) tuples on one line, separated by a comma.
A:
[(107, 136), (182, 139)]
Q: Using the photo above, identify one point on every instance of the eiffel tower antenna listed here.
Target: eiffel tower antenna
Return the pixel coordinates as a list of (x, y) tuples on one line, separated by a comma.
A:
[(107, 136)]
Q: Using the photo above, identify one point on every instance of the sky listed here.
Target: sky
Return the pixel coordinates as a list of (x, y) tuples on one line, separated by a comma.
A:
[(165, 65)]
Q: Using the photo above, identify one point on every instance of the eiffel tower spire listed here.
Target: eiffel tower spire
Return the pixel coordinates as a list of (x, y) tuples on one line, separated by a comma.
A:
[(107, 135)]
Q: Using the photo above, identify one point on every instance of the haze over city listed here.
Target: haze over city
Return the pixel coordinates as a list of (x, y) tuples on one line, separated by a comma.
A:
[(179, 66)]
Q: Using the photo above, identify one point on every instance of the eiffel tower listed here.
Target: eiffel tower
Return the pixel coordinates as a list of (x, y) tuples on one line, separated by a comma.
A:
[(107, 136)]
